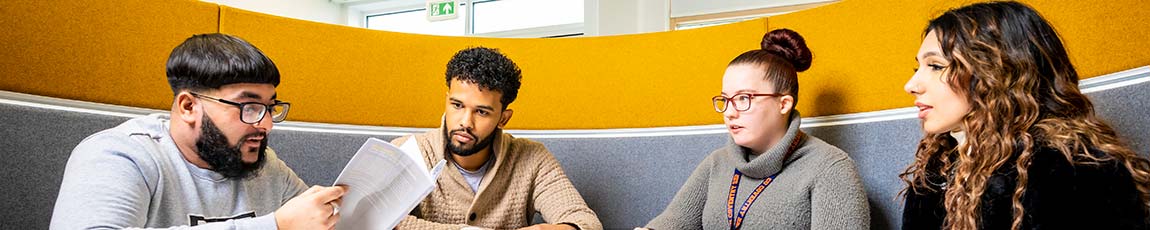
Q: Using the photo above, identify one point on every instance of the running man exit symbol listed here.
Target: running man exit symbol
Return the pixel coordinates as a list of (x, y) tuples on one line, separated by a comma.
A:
[(438, 10)]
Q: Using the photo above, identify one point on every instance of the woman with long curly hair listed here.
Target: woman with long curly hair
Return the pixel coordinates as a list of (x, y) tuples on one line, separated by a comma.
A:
[(1010, 140)]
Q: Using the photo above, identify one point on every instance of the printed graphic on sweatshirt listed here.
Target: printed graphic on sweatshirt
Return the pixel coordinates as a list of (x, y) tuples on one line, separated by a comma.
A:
[(194, 220)]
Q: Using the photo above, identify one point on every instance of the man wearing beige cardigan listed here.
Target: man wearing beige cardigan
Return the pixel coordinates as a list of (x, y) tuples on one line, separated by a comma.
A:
[(494, 180)]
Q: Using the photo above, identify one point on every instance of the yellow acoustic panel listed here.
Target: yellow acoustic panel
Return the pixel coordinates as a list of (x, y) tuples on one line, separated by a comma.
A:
[(347, 75), (864, 50), (115, 53), (101, 51)]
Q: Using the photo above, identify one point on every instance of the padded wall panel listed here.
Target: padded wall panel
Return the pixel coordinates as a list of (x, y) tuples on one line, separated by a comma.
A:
[(629, 181), (35, 144), (881, 150), (626, 180), (114, 53), (103, 51), (317, 158), (1125, 109), (864, 50), (339, 74)]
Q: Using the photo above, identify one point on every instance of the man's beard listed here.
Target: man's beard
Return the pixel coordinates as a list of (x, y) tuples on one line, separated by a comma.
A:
[(460, 150), (226, 160)]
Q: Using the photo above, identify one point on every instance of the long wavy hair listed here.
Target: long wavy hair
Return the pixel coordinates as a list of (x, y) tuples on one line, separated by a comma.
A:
[(1012, 68)]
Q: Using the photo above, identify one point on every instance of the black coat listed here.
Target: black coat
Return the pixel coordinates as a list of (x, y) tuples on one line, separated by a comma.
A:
[(1058, 196)]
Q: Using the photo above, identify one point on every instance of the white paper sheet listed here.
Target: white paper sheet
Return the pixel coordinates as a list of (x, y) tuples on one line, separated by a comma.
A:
[(384, 184)]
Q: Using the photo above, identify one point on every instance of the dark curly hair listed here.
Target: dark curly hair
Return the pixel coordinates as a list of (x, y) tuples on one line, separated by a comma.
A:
[(489, 69), (208, 61)]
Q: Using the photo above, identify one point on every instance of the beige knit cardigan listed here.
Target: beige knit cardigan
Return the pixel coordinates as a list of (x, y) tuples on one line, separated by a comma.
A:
[(525, 178)]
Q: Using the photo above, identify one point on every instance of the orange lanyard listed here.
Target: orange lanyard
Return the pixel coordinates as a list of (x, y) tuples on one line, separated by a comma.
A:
[(736, 221)]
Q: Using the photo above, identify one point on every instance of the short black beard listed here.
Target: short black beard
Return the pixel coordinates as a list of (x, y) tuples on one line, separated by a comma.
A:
[(459, 150), (212, 147)]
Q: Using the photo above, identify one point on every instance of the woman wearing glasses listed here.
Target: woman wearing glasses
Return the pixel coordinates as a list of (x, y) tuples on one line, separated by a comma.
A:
[(770, 175), (1011, 143)]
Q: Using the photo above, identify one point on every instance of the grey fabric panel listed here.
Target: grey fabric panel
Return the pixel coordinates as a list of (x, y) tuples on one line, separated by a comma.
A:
[(36, 144), (628, 181), (317, 158), (881, 150), (1127, 109)]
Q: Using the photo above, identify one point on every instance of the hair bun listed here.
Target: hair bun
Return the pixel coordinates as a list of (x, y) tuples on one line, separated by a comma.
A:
[(789, 45)]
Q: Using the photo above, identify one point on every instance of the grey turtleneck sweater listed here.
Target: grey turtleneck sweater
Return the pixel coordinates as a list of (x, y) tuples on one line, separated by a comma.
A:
[(818, 188)]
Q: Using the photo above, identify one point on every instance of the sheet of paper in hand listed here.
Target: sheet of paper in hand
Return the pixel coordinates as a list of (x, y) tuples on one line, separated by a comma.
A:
[(384, 183)]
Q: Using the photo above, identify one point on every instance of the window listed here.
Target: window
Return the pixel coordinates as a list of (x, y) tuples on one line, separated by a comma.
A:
[(415, 21), (715, 22), (705, 20), (505, 15), (488, 18)]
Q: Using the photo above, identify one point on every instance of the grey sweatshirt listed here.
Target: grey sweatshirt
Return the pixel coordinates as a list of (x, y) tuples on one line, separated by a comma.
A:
[(818, 188), (134, 176)]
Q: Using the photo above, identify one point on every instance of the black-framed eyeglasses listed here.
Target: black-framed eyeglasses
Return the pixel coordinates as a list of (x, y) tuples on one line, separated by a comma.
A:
[(253, 112), (742, 101)]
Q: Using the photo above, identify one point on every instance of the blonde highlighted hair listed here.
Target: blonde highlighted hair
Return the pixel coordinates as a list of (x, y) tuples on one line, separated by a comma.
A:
[(1014, 71)]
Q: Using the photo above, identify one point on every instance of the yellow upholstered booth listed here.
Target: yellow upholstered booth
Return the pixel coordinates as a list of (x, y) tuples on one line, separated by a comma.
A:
[(101, 51), (114, 52), (340, 74)]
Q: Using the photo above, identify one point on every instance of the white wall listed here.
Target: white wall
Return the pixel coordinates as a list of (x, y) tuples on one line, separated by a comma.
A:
[(312, 10), (614, 17)]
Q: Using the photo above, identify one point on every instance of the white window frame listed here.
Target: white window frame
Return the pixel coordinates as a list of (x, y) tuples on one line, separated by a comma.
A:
[(711, 19), (357, 12)]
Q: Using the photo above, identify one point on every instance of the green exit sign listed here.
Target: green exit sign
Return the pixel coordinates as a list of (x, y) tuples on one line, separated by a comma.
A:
[(438, 10)]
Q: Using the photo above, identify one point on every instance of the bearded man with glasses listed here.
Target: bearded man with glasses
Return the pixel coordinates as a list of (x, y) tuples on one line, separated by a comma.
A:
[(206, 165)]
